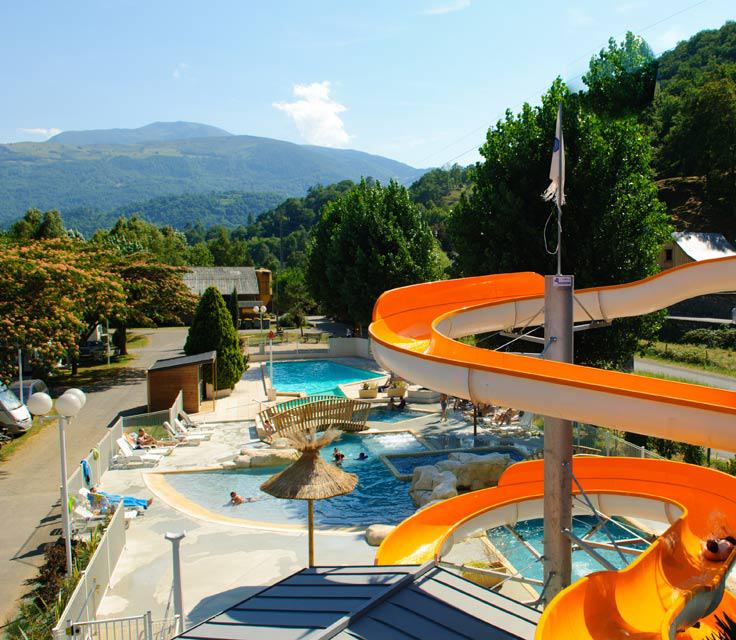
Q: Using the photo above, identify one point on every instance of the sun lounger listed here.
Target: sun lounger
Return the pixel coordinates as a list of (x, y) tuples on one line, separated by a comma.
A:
[(181, 430), (129, 456), (191, 439)]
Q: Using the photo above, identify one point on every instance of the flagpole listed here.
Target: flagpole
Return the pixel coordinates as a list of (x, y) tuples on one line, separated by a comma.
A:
[(559, 199)]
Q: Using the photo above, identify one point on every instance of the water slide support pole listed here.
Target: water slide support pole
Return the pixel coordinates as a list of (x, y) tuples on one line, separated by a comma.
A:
[(558, 436)]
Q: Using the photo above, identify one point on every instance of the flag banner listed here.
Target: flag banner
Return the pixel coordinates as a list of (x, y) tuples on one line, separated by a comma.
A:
[(556, 189)]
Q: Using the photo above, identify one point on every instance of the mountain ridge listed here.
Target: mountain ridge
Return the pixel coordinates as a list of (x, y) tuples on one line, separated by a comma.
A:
[(153, 132), (53, 175)]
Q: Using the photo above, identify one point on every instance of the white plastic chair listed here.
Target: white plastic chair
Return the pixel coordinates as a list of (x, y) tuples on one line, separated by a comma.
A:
[(182, 431), (186, 438)]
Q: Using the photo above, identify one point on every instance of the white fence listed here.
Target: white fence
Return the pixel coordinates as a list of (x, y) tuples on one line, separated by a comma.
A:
[(79, 613), (142, 627), (95, 578), (334, 348)]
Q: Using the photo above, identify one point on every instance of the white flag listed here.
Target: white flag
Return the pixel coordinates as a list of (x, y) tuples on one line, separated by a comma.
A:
[(556, 189)]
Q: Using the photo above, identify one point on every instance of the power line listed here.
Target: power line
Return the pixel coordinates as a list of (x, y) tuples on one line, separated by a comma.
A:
[(536, 93)]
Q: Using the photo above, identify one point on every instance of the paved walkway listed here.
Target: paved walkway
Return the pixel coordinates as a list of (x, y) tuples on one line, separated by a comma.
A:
[(694, 375), (29, 481)]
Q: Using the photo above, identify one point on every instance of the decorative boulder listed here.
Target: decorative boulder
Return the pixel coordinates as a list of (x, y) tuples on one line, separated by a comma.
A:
[(375, 534), (481, 472), (241, 462), (424, 478), (266, 457), (445, 488), (429, 483)]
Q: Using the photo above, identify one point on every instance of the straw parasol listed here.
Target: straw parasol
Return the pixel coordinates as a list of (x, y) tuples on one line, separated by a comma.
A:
[(310, 478)]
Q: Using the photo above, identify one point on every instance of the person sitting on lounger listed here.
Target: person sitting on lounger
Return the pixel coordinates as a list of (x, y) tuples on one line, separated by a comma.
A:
[(146, 439), (100, 500), (718, 549)]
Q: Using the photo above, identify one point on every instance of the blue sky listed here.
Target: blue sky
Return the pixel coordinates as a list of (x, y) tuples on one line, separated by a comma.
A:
[(415, 80)]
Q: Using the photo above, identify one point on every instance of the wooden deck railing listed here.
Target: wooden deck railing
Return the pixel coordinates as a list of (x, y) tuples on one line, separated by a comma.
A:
[(314, 413)]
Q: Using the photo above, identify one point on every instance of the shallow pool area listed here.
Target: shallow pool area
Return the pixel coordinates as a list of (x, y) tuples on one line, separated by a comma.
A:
[(379, 497), (317, 376), (582, 564), (382, 414)]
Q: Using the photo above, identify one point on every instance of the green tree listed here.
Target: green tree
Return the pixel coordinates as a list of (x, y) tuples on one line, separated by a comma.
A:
[(621, 78), (212, 330), (200, 256), (613, 223), (233, 308), (702, 140), (369, 239), (134, 234), (35, 225)]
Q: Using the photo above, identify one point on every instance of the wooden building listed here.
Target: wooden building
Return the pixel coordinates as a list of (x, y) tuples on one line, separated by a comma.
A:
[(185, 373), (687, 246), (253, 286)]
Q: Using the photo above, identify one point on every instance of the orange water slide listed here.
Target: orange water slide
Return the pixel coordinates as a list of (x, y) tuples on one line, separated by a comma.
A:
[(667, 588), (414, 334)]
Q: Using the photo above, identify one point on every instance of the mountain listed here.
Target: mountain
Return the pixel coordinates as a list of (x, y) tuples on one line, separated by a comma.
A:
[(154, 132), (50, 175)]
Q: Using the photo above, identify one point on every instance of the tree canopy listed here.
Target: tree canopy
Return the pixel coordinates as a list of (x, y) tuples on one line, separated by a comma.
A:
[(613, 223), (369, 239)]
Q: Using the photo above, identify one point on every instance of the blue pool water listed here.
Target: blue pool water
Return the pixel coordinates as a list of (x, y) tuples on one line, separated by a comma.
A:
[(582, 564), (379, 497), (317, 376), (386, 415), (405, 464)]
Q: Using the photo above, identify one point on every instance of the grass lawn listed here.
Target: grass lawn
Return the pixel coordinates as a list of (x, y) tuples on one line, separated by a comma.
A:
[(137, 340), (709, 359), (39, 424), (664, 376)]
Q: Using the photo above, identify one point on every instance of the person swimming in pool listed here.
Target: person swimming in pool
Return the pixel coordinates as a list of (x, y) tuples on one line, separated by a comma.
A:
[(362, 456), (236, 499), (338, 456)]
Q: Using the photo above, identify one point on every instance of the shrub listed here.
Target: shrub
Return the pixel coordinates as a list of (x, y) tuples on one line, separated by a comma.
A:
[(212, 330), (717, 338)]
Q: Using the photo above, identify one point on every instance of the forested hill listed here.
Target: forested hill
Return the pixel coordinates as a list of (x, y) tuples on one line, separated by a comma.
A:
[(226, 208), (154, 132), (105, 176)]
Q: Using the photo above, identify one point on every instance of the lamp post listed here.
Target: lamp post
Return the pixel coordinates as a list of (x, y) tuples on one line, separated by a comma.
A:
[(260, 311), (175, 538), (67, 406)]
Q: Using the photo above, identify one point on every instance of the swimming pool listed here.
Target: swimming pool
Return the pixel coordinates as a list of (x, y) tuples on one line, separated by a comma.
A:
[(378, 498), (382, 414), (582, 564), (317, 376)]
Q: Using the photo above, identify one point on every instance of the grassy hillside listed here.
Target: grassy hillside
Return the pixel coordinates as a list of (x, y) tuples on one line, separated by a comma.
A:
[(103, 177)]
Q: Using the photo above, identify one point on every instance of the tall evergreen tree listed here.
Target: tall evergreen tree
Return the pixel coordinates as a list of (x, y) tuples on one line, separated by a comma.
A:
[(232, 305), (212, 330)]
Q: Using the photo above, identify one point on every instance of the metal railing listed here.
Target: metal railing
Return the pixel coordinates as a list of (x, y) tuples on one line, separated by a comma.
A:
[(94, 580), (604, 442), (142, 627), (99, 460)]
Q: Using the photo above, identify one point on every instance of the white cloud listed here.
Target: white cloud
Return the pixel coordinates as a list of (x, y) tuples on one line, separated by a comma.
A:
[(40, 132), (440, 10), (316, 115), (179, 70), (626, 7), (669, 39)]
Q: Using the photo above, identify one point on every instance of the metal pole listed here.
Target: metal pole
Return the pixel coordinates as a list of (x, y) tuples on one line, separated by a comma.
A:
[(175, 538), (107, 331), (20, 372), (65, 520), (270, 360), (559, 236), (558, 333), (475, 424), (310, 523), (560, 178)]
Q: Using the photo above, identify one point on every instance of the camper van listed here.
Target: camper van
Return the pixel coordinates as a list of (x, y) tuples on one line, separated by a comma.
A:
[(15, 418)]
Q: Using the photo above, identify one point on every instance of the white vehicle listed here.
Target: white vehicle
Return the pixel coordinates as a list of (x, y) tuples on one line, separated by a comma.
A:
[(14, 416)]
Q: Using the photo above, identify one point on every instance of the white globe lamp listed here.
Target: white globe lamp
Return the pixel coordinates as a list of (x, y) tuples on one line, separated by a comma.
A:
[(79, 394), (39, 404), (256, 309), (68, 405)]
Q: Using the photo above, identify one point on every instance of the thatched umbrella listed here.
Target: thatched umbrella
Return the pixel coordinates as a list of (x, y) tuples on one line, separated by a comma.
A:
[(310, 477)]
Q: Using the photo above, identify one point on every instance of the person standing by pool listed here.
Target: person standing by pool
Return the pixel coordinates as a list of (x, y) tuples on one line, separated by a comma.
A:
[(338, 456), (443, 406)]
